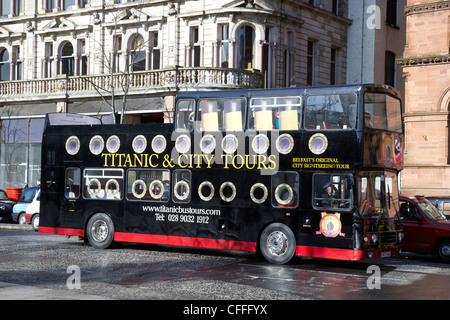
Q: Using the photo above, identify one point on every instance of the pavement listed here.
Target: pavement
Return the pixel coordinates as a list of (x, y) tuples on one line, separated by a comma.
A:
[(13, 291)]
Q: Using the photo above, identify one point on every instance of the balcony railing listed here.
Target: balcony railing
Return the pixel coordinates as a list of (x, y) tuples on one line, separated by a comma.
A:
[(166, 80)]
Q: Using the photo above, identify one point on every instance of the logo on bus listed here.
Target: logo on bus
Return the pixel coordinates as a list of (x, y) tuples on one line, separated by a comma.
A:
[(330, 225)]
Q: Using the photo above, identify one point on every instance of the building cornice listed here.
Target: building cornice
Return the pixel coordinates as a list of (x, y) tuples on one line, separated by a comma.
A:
[(424, 60), (427, 7)]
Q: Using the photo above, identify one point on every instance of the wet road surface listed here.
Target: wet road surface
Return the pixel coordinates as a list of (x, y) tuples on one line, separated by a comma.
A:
[(34, 261)]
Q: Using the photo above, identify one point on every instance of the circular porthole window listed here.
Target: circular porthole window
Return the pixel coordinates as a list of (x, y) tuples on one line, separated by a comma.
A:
[(229, 143), (318, 143), (72, 145), (260, 144), (112, 188), (206, 191), (227, 191), (94, 187), (183, 144), (138, 189), (207, 144), (159, 144), (96, 145), (259, 193), (156, 189), (139, 144), (284, 194), (285, 143), (181, 190), (113, 144)]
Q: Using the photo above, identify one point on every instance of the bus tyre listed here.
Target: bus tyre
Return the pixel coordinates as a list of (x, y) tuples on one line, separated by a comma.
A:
[(277, 243), (100, 231)]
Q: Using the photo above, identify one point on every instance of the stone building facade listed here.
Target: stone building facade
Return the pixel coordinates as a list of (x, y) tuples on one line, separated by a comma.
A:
[(426, 68), (129, 58)]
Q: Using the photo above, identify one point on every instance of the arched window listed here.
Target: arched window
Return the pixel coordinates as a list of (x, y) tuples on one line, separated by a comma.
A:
[(67, 60), (138, 55), (245, 48), (5, 73)]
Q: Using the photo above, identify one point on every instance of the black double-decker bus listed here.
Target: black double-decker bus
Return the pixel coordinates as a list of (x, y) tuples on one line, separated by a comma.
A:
[(285, 172)]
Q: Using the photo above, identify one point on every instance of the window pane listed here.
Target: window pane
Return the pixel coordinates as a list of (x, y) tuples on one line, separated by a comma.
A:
[(331, 112), (375, 111), (72, 183), (278, 113), (333, 191)]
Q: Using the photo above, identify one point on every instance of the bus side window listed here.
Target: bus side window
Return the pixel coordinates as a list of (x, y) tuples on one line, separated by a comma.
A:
[(149, 185), (325, 112), (221, 114), (285, 189), (182, 186), (72, 183), (332, 191), (275, 113), (103, 184), (185, 115)]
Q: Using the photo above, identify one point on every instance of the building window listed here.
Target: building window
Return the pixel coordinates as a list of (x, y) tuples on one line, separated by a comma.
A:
[(289, 73), (391, 12), (390, 69), (334, 66), (224, 50), (310, 68), (245, 47), (67, 60), (17, 7), (5, 8), (67, 4), (117, 53), (335, 6), (17, 64), (50, 5), (195, 47), (5, 67), (20, 151), (138, 57), (47, 71), (155, 51), (83, 59)]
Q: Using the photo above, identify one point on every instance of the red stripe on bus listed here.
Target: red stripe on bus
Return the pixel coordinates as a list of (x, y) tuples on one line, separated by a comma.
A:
[(186, 241), (330, 253), (62, 231)]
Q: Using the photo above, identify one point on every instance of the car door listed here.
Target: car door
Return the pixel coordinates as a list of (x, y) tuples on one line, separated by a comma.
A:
[(416, 227)]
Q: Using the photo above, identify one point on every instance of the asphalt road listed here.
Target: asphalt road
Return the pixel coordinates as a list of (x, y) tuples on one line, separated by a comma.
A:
[(40, 266)]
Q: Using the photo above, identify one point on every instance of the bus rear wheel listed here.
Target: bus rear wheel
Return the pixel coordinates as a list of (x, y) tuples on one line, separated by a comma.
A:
[(277, 243), (100, 231)]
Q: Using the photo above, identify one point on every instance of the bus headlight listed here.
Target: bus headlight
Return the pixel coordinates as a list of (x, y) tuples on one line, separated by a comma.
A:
[(374, 238)]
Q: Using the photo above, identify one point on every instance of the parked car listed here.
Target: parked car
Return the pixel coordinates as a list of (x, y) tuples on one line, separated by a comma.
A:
[(6, 205), (32, 211), (425, 229), (20, 208), (442, 204)]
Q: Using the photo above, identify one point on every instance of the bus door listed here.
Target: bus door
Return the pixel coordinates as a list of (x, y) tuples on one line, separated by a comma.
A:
[(70, 207)]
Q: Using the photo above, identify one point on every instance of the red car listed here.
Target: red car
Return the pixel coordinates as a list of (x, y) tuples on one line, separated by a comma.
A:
[(425, 229)]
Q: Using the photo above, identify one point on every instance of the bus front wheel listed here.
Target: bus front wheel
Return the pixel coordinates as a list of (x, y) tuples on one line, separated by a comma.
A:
[(277, 243), (100, 231)]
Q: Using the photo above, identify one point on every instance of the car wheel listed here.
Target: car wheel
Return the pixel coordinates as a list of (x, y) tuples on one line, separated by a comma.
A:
[(443, 251), (35, 222), (100, 231), (277, 243), (22, 219)]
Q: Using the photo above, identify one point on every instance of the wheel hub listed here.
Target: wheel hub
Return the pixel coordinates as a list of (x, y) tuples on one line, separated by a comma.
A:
[(100, 231), (277, 243)]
